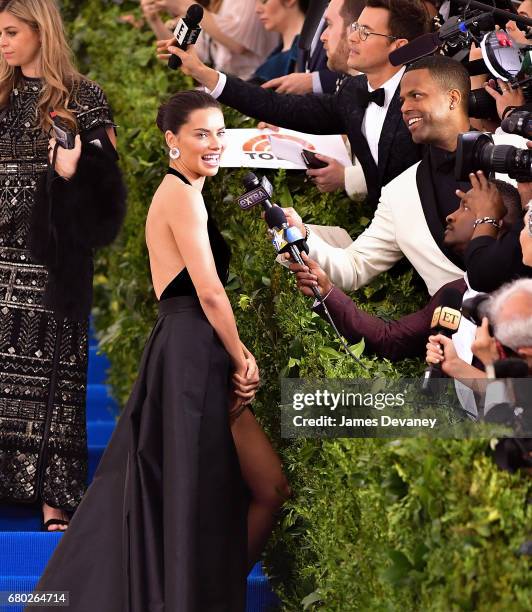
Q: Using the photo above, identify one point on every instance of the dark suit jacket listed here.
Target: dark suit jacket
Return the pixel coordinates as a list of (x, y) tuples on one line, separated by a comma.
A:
[(317, 62), (393, 340), (333, 114)]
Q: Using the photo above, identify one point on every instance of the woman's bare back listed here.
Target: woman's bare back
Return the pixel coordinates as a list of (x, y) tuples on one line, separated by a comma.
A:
[(166, 261)]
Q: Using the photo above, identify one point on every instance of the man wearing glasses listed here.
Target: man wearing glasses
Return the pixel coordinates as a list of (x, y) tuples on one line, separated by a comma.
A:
[(366, 107)]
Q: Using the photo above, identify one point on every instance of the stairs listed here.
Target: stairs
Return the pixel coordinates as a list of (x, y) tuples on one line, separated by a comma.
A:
[(24, 550)]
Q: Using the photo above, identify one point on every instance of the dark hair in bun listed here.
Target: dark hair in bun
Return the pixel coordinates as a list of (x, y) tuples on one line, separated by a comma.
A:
[(174, 114)]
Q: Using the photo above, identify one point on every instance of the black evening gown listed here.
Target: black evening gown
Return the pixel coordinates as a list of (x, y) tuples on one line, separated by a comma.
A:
[(163, 527)]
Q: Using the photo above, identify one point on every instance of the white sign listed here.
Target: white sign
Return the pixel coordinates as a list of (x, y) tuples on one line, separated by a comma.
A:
[(252, 148)]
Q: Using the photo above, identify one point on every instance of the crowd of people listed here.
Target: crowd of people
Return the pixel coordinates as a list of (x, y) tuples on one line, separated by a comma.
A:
[(189, 481)]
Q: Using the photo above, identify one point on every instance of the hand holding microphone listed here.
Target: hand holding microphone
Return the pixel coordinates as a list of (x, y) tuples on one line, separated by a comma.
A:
[(311, 275), (445, 322)]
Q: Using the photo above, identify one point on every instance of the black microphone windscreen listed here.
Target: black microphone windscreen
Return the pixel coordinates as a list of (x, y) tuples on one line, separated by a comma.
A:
[(423, 45), (275, 217), (195, 13), (451, 297), (250, 181), (511, 368)]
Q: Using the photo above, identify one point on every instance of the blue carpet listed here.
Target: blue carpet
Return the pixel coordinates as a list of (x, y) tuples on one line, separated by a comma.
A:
[(24, 550)]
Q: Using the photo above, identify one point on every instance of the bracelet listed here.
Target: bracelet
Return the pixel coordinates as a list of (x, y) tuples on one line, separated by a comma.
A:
[(307, 230), (508, 110), (496, 224)]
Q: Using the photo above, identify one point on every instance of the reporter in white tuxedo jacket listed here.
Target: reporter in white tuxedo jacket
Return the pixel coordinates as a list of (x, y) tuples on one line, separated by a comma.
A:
[(410, 217)]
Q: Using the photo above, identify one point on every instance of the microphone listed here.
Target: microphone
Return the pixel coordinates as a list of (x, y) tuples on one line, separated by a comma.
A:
[(427, 44), (186, 32), (445, 320), (423, 45), (285, 238), (258, 192)]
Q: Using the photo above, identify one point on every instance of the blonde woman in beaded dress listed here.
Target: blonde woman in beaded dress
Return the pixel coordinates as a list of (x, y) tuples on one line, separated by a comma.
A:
[(49, 225)]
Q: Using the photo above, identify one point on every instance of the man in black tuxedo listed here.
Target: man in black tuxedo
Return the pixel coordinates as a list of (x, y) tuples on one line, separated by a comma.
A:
[(366, 107), (312, 75)]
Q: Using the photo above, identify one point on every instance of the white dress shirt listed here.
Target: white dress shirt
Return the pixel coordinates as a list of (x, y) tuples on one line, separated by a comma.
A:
[(375, 115)]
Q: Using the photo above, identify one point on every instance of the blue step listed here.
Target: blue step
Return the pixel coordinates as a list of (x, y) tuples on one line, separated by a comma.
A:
[(100, 405), (98, 366), (99, 432), (23, 557)]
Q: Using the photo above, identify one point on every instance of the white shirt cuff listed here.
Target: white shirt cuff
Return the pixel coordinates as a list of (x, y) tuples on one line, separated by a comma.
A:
[(316, 83), (355, 181), (217, 91)]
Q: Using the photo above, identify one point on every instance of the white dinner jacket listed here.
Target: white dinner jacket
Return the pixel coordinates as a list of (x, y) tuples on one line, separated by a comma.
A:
[(398, 228)]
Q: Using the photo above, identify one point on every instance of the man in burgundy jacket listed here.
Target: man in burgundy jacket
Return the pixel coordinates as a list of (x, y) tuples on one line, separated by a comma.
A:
[(406, 337)]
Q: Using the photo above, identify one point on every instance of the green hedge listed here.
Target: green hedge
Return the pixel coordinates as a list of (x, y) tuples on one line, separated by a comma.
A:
[(373, 525)]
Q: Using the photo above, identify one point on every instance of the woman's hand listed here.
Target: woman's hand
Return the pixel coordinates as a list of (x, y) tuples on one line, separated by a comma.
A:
[(246, 378), (150, 9), (66, 162), (176, 7)]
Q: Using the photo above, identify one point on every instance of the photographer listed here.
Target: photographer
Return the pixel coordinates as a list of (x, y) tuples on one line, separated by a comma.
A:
[(510, 313), (490, 261)]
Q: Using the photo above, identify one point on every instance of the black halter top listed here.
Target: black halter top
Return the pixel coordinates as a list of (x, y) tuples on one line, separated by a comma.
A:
[(182, 284)]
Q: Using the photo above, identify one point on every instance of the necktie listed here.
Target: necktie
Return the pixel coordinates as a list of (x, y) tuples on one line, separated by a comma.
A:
[(365, 97)]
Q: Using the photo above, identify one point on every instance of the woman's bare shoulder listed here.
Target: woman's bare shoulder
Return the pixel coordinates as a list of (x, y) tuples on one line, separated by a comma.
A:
[(172, 195)]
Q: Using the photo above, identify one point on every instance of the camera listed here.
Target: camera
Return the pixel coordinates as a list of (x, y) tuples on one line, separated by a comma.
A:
[(476, 151), (518, 122)]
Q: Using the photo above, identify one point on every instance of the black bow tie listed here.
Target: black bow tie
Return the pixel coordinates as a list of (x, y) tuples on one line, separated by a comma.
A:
[(365, 97)]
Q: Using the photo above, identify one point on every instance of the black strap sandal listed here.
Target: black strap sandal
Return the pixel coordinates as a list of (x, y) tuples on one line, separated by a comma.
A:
[(54, 521)]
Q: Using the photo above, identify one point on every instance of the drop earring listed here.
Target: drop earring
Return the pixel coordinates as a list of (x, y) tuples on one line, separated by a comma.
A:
[(175, 153), (451, 107)]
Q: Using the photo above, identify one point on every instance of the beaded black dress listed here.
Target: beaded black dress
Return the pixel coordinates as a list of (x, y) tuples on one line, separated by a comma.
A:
[(43, 358)]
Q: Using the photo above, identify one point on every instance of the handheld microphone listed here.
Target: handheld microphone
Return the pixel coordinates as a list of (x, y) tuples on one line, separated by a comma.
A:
[(285, 238), (257, 192), (423, 45), (445, 320), (186, 32), (427, 44)]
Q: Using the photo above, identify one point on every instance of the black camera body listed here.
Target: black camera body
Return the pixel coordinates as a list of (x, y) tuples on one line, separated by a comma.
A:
[(476, 151)]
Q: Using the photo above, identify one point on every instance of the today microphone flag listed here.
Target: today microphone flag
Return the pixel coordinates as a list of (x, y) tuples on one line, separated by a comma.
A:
[(253, 148)]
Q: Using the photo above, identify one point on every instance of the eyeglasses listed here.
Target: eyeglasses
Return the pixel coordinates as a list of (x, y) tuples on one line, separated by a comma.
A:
[(363, 32)]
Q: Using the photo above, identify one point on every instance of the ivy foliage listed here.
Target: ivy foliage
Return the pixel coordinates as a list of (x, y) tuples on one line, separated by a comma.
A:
[(373, 525)]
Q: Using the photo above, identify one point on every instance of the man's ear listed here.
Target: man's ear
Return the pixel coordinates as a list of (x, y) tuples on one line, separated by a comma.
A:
[(455, 98), (400, 42)]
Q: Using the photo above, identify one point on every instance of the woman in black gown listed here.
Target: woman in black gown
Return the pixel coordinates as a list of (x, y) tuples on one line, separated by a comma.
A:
[(163, 526)]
